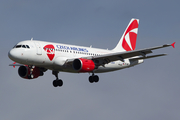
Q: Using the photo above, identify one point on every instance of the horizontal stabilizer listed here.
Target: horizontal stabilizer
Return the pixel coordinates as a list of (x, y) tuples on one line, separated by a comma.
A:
[(16, 65)]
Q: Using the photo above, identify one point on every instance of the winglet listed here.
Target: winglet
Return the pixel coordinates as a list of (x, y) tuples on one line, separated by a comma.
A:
[(173, 44)]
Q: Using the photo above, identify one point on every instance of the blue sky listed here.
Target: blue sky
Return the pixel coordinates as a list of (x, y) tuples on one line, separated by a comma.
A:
[(148, 91)]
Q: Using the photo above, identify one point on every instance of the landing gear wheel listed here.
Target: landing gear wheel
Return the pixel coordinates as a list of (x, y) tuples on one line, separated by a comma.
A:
[(60, 83), (96, 78), (93, 78), (57, 83)]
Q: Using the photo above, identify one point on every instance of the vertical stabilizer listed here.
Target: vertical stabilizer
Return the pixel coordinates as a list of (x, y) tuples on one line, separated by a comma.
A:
[(128, 39)]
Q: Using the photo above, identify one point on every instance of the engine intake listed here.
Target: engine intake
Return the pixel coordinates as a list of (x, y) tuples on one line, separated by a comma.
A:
[(83, 65), (23, 71)]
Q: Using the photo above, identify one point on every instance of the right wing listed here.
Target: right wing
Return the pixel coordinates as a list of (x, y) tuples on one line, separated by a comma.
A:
[(135, 54), (128, 54)]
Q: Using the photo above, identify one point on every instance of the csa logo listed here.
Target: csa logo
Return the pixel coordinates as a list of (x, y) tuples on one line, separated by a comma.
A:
[(50, 51), (129, 40)]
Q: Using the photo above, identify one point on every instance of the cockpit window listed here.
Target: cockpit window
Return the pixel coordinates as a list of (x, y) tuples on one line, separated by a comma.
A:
[(21, 46), (27, 46), (18, 46)]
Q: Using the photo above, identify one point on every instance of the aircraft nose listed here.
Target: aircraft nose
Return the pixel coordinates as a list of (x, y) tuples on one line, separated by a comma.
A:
[(12, 54)]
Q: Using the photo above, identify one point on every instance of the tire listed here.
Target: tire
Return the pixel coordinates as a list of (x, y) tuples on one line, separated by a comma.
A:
[(96, 78), (55, 83), (91, 79), (59, 83)]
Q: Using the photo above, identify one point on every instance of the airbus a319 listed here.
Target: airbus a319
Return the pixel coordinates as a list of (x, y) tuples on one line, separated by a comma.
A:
[(36, 57)]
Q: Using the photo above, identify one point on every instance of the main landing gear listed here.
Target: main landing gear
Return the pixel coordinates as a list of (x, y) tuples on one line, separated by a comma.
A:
[(93, 78), (57, 82)]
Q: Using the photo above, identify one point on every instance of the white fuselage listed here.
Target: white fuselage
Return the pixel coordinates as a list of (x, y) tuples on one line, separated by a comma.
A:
[(53, 56)]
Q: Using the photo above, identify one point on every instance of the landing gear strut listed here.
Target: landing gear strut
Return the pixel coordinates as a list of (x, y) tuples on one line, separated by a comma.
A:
[(57, 82), (93, 78)]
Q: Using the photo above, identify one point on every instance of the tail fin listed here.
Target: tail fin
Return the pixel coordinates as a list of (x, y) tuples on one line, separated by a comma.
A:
[(128, 39)]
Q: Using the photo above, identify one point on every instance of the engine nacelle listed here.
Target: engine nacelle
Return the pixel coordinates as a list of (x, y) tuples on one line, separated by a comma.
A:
[(83, 65), (29, 73)]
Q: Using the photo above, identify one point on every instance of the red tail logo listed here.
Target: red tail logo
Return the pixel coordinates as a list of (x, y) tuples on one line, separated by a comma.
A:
[(50, 51), (129, 39)]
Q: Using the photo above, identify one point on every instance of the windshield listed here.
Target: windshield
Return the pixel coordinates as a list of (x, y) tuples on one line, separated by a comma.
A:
[(21, 46)]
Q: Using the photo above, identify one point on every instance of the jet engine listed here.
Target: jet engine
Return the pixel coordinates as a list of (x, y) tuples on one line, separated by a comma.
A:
[(27, 72), (83, 65)]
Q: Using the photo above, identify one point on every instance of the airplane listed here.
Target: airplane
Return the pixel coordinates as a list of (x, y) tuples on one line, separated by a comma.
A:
[(36, 57)]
